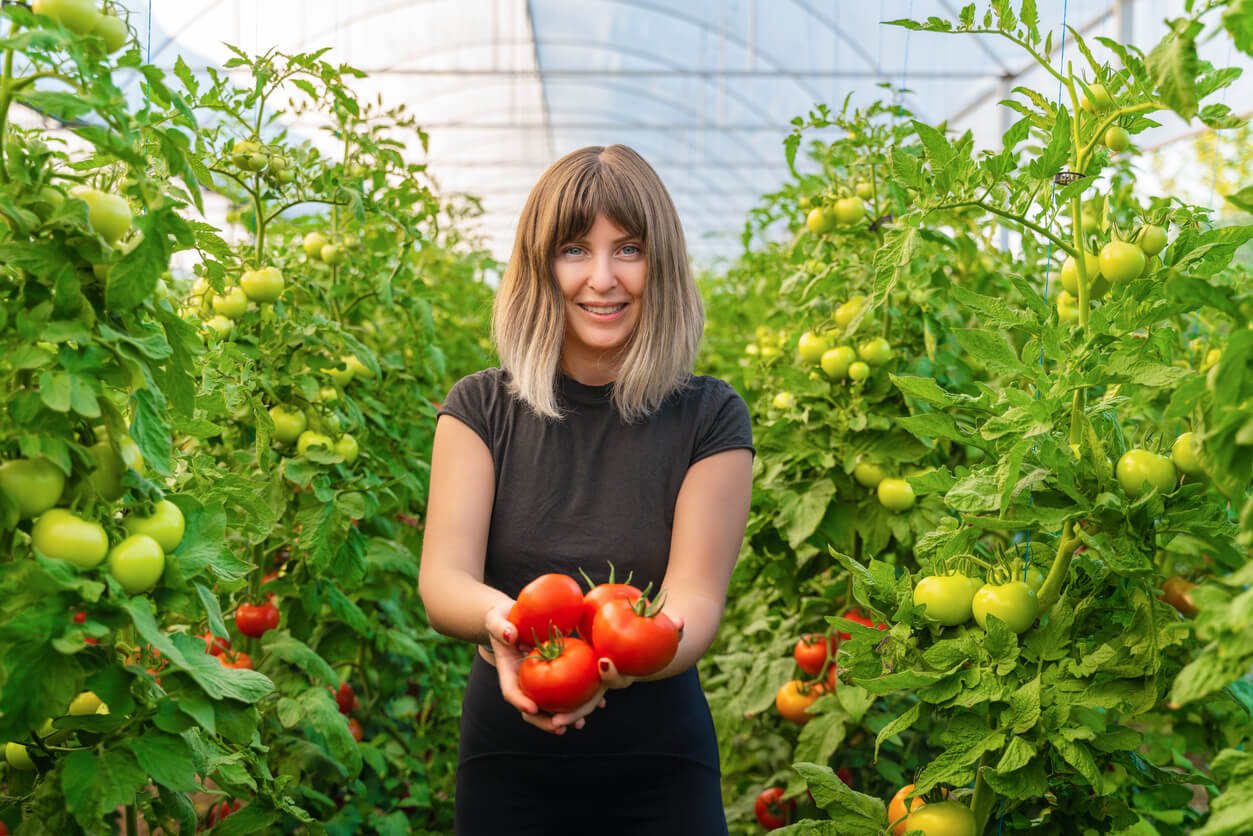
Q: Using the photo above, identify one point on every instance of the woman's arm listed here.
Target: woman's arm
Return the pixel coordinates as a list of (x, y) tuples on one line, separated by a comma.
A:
[(454, 543), (709, 519)]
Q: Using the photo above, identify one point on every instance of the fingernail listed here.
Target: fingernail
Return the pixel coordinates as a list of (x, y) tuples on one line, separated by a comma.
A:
[(604, 666)]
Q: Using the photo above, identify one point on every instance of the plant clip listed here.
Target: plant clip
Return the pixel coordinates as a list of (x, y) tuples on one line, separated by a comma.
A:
[(1065, 178), (883, 221)]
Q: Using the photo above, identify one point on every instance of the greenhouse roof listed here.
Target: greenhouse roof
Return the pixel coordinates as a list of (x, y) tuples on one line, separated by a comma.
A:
[(705, 90)]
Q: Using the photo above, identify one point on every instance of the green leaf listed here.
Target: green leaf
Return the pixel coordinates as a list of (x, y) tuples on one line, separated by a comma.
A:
[(821, 736), (902, 723), (855, 813), (1242, 199), (1173, 67), (800, 515), (95, 785), (167, 758), (302, 656), (1238, 19)]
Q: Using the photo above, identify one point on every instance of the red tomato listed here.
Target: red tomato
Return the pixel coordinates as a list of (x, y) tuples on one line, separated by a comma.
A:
[(861, 618), (346, 699), (214, 645), (794, 698), (255, 619), (846, 775), (355, 729), (599, 595), (550, 600), (238, 660), (80, 617), (831, 677), (560, 675), (638, 637), (218, 812), (772, 810), (811, 653)]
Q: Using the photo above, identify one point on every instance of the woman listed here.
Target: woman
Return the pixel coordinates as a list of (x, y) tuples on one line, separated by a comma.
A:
[(593, 443)]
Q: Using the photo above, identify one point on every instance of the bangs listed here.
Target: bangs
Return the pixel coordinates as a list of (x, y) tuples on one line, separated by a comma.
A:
[(599, 189)]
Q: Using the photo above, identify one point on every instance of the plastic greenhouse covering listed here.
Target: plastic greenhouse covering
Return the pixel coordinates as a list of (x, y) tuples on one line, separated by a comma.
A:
[(705, 90)]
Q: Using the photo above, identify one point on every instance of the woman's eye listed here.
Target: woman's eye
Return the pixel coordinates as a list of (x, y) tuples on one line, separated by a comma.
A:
[(631, 249), (572, 251)]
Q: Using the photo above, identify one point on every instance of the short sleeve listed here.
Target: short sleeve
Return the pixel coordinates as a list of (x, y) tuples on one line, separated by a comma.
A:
[(469, 402), (725, 423)]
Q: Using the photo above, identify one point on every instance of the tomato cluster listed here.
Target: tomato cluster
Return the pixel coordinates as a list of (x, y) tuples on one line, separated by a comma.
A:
[(613, 620)]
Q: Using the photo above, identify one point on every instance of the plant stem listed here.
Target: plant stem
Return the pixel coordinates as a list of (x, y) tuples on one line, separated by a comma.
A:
[(132, 821), (6, 96), (1050, 590), (983, 799)]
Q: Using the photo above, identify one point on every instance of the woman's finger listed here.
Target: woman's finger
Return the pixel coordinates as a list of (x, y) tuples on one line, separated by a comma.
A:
[(575, 717)]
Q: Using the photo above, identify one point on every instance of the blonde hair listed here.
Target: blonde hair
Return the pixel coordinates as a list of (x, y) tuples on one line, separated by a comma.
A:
[(528, 317)]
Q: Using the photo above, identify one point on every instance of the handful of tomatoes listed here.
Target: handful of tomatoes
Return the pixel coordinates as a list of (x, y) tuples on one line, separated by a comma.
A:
[(613, 620)]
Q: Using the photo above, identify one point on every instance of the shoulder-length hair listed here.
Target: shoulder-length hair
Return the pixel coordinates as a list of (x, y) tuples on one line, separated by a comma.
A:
[(528, 317)]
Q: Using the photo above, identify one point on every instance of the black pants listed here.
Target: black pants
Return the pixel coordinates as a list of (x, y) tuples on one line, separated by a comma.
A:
[(649, 758)]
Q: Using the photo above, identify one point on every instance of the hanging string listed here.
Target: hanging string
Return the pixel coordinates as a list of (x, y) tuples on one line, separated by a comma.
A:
[(900, 94), (148, 54)]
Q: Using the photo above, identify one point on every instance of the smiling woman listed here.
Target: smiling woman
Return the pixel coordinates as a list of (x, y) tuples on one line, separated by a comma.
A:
[(592, 443)]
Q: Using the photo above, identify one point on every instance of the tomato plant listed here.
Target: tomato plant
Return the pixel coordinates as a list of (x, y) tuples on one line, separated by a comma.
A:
[(772, 809)]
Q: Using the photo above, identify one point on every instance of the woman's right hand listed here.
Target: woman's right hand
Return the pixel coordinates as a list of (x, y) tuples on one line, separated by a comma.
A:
[(507, 659)]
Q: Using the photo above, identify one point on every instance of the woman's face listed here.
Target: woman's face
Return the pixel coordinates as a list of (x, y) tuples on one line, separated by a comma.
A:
[(602, 277)]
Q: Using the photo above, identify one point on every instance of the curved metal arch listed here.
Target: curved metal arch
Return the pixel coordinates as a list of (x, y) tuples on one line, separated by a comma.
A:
[(748, 103), (710, 184), (856, 48), (677, 105)]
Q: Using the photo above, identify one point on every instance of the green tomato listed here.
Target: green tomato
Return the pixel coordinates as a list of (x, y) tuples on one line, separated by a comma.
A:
[(1152, 239), (1117, 139), (876, 351), (86, 703), (1070, 274), (233, 304), (264, 284), (112, 30), (313, 244), (1035, 577), (811, 347), (1139, 470), (944, 818), (79, 16), (341, 375), (820, 220), (850, 210), (867, 474), (947, 598), (332, 254), (1014, 603), (1121, 261), (166, 525), (34, 485), (219, 326), (835, 361), (845, 313), (249, 155), (16, 754), (62, 535), (858, 371), (310, 439), (347, 447), (328, 394), (864, 190), (288, 424), (108, 215), (1185, 453), (783, 400), (1099, 100), (895, 494), (137, 563), (1067, 307), (106, 477)]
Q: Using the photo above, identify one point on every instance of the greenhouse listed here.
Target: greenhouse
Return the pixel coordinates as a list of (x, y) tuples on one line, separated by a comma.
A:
[(551, 417)]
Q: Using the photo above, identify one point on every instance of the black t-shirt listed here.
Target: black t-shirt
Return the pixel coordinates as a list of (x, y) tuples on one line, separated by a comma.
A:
[(589, 488), (574, 494)]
